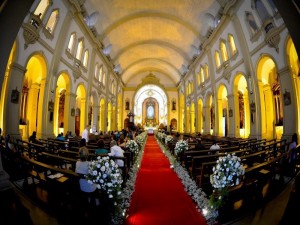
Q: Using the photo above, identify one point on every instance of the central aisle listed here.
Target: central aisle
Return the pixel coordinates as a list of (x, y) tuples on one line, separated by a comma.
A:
[(159, 197)]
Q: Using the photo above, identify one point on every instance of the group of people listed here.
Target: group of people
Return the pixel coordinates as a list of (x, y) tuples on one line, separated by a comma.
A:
[(117, 144)]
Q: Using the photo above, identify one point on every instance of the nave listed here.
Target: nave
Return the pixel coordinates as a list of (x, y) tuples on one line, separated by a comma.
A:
[(34, 206)]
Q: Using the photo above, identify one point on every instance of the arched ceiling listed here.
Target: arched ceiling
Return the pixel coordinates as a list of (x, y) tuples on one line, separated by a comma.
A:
[(158, 37)]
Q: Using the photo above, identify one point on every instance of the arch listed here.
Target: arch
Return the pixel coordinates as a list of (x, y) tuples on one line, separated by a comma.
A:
[(200, 116), (156, 92), (270, 98), (81, 98), (241, 110), (4, 91), (139, 15), (102, 118), (193, 118), (33, 92), (294, 65), (61, 103), (222, 111)]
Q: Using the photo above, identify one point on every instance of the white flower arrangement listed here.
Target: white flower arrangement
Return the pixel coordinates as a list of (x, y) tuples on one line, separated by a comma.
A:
[(106, 174), (181, 146), (140, 140), (227, 171), (168, 139), (132, 146)]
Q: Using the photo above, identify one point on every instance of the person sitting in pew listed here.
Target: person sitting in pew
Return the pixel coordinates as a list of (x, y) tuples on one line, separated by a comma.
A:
[(199, 145), (117, 151), (215, 146), (82, 166), (60, 137), (101, 149)]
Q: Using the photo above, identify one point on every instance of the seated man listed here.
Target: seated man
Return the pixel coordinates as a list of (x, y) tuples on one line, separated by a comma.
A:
[(117, 151)]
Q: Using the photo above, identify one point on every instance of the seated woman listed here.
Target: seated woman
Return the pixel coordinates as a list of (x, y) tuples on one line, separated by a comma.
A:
[(82, 166), (101, 149)]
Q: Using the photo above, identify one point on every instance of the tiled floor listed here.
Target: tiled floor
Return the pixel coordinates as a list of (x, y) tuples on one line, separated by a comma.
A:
[(19, 209)]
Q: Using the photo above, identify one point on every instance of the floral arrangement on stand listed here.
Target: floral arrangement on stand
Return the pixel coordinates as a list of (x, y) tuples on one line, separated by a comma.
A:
[(105, 173), (132, 146), (168, 139), (181, 146), (226, 173), (196, 193), (140, 140)]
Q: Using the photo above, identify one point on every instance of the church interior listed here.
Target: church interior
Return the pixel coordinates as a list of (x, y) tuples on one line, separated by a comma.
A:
[(206, 70)]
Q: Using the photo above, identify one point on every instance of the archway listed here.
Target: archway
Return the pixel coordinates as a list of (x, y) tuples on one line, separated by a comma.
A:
[(102, 123), (294, 65), (31, 109), (193, 118), (222, 111), (270, 99), (80, 121), (200, 116), (4, 91), (160, 97), (61, 104), (241, 112)]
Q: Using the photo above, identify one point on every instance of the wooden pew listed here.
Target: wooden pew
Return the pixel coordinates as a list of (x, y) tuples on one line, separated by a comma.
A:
[(255, 174), (42, 172), (59, 161)]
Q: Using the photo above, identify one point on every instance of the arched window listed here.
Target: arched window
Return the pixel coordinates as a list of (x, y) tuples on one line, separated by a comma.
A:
[(251, 22), (261, 10), (52, 21), (42, 8), (273, 6), (202, 74), (85, 58), (79, 50), (96, 73), (198, 78), (217, 59), (104, 79), (100, 74), (232, 45), (206, 71), (223, 51), (71, 44)]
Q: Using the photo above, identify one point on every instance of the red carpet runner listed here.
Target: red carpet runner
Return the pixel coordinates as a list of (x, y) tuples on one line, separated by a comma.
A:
[(159, 197)]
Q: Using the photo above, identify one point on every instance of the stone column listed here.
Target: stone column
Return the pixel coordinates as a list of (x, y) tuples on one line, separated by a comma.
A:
[(96, 115), (12, 106), (71, 97), (206, 120), (287, 80)]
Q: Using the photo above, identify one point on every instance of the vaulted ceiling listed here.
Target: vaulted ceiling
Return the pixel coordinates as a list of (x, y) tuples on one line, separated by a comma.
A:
[(160, 37)]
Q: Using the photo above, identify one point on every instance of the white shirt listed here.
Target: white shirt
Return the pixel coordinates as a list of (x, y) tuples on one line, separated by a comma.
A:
[(117, 151), (214, 147), (85, 135), (82, 168)]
